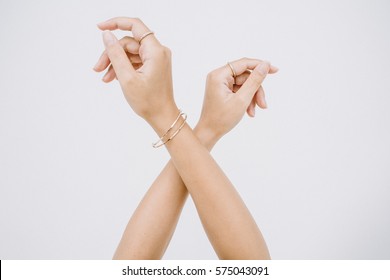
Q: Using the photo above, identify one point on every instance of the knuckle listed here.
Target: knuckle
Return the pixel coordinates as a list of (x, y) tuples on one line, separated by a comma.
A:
[(137, 20), (127, 38), (123, 41), (212, 76), (167, 51), (267, 64)]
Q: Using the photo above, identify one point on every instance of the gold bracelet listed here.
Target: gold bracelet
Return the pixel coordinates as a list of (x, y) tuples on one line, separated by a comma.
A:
[(161, 141), (180, 127), (169, 129)]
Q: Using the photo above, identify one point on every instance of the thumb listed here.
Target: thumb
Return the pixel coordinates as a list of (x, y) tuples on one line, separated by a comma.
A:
[(117, 56), (253, 83)]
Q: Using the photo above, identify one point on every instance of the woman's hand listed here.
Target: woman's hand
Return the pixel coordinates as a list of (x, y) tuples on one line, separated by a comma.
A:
[(146, 80), (227, 98), (143, 69)]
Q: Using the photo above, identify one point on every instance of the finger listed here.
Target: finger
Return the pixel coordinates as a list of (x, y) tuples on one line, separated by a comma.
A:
[(240, 66), (135, 25), (251, 109), (260, 98), (273, 69), (253, 83), (135, 59), (135, 62), (103, 62), (128, 43), (118, 57), (240, 79), (244, 64), (110, 75)]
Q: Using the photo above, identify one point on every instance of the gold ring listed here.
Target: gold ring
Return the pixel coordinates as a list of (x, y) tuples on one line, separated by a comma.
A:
[(145, 35), (232, 69)]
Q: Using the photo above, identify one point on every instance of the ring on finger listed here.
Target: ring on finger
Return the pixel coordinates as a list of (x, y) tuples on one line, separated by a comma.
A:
[(232, 69), (145, 35)]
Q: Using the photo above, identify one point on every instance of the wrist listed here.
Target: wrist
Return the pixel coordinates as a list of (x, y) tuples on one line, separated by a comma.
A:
[(163, 120), (206, 136)]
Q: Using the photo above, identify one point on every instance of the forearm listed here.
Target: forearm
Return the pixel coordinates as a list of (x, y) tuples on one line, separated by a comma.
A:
[(228, 223), (152, 225)]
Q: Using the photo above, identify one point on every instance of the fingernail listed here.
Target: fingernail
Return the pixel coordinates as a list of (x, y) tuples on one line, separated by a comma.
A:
[(265, 104), (275, 68), (108, 38), (264, 68), (95, 67)]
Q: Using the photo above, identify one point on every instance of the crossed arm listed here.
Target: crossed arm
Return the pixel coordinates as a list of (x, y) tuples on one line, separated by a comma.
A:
[(227, 222)]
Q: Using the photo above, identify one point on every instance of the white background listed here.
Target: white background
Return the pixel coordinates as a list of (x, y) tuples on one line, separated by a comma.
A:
[(313, 168)]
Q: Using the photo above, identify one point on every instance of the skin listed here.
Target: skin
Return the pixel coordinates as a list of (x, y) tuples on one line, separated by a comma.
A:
[(144, 70)]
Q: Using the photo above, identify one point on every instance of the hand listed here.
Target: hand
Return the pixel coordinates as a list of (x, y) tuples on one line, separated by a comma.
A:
[(144, 72), (226, 99)]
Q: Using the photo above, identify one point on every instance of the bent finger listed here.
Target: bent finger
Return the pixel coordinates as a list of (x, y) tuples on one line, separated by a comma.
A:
[(135, 25), (110, 75), (117, 56), (251, 110), (240, 79), (128, 43), (253, 83), (244, 64), (102, 63), (260, 98)]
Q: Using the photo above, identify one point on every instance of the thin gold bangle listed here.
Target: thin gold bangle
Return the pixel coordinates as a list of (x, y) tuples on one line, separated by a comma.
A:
[(170, 128), (161, 141), (180, 127)]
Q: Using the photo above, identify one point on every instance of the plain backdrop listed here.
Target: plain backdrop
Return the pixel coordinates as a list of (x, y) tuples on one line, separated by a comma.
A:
[(313, 168)]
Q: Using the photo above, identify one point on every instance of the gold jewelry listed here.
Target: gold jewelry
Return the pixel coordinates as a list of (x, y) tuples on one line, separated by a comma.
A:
[(161, 141), (232, 69), (170, 128), (145, 35), (180, 127)]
